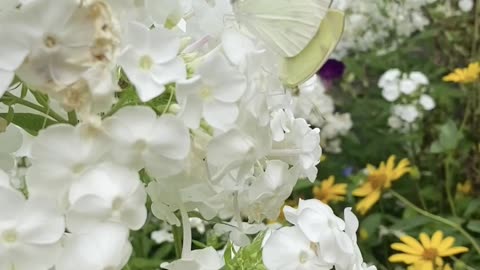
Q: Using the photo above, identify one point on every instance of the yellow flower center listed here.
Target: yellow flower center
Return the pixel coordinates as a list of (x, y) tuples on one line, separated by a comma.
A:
[(377, 180), (9, 236), (430, 254), (146, 62), (206, 93), (117, 204), (49, 41)]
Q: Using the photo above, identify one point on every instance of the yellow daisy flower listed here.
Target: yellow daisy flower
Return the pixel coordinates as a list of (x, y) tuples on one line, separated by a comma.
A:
[(465, 188), (426, 254), (378, 180), (464, 75), (328, 191)]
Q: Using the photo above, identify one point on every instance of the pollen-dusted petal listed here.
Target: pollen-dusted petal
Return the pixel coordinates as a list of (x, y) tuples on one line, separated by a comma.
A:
[(425, 240), (437, 239), (411, 242), (405, 258), (453, 251), (407, 249)]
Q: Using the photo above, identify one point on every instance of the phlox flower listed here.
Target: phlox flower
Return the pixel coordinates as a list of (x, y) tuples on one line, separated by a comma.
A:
[(106, 193), (159, 144), (151, 59), (55, 168), (30, 230), (378, 180), (300, 147), (212, 93), (332, 240), (104, 247), (201, 259), (10, 141), (289, 249)]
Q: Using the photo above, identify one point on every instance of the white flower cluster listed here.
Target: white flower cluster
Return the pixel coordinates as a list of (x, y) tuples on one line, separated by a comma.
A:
[(225, 145), (315, 105), (409, 94), (306, 247), (373, 23)]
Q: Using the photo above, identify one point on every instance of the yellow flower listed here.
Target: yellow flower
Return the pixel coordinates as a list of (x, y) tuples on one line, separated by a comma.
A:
[(464, 75), (426, 254), (378, 180), (328, 191), (465, 188)]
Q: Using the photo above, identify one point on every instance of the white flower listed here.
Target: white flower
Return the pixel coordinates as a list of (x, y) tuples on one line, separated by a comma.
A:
[(391, 92), (395, 122), (466, 5), (419, 78), (407, 113), (408, 86), (300, 148), (212, 94), (267, 192), (10, 142), (107, 193), (238, 233), (198, 224), (103, 247), (161, 236), (200, 259), (427, 102), (151, 59), (313, 214), (288, 249), (389, 77), (30, 231), (13, 50), (60, 154), (160, 144)]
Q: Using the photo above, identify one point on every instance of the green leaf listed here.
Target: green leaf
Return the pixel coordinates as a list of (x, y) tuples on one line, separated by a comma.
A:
[(474, 226), (449, 138), (472, 208), (32, 123)]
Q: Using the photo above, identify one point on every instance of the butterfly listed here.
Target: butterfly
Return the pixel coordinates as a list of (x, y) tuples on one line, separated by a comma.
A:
[(292, 29)]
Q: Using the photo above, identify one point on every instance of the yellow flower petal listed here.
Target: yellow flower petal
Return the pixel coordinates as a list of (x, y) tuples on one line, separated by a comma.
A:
[(437, 239), (365, 204), (407, 249), (405, 258), (453, 251), (425, 240), (446, 244), (411, 242), (363, 190)]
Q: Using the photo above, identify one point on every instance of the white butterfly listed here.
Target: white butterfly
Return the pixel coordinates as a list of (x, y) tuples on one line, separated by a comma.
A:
[(285, 26)]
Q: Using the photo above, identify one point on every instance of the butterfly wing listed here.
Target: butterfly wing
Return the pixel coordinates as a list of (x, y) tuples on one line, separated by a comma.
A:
[(285, 26), (298, 69)]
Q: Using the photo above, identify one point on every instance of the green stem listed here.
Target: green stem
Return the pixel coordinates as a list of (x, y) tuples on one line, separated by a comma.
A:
[(72, 118), (177, 237), (438, 219), (475, 29), (448, 185), (172, 93), (36, 107)]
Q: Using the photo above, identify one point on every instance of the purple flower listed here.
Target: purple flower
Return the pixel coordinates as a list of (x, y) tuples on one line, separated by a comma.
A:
[(348, 171), (332, 70)]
